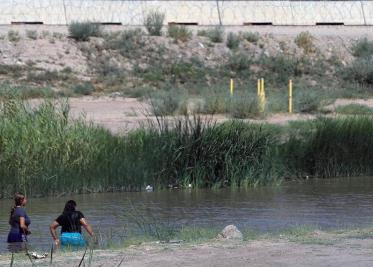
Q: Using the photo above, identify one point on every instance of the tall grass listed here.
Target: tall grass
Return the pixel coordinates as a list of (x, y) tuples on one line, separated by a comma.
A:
[(44, 152)]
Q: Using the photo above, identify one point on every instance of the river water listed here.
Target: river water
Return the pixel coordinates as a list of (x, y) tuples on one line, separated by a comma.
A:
[(332, 203)]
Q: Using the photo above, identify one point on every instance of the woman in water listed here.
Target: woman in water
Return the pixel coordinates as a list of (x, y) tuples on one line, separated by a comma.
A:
[(71, 222), (18, 220)]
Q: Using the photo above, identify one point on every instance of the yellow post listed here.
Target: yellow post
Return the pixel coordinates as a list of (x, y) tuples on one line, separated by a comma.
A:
[(232, 87), (259, 87), (290, 96), (262, 95)]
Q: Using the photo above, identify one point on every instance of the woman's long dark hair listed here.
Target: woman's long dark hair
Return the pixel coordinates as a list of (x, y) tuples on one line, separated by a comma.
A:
[(18, 200), (69, 206)]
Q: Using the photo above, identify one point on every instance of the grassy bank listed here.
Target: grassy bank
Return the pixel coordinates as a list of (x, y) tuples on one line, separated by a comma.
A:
[(43, 152)]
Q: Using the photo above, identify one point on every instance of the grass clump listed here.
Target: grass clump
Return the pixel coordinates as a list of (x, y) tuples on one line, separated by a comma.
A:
[(216, 35), (85, 88), (233, 40), (304, 40), (179, 33), (363, 48), (244, 106), (31, 34), (239, 62), (165, 102), (360, 70), (14, 36), (127, 42), (81, 31), (251, 37), (354, 109), (154, 23)]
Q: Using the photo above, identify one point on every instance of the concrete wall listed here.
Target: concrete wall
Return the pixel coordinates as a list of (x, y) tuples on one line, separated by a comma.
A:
[(201, 12)]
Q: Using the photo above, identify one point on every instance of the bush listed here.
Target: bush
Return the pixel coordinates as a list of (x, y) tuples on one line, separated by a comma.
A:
[(216, 101), (363, 48), (201, 33), (14, 36), (239, 62), (179, 33), (84, 88), (216, 35), (304, 40), (252, 37), (165, 103), (33, 35), (307, 101), (354, 109), (81, 31), (127, 42), (233, 40), (154, 23), (361, 71), (244, 106), (282, 68)]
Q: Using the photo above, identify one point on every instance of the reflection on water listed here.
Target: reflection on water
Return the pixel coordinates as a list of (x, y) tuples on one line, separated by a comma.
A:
[(323, 203)]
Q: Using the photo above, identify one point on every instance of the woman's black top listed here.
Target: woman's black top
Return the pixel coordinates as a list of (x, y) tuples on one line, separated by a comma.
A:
[(70, 221)]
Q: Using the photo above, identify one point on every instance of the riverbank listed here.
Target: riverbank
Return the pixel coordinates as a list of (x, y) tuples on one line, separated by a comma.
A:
[(296, 247)]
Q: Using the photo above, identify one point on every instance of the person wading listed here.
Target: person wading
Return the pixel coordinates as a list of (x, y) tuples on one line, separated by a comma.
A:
[(71, 222), (18, 220)]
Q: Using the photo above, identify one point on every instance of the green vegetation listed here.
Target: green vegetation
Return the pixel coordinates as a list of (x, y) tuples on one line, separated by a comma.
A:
[(354, 109), (81, 31), (84, 88), (31, 34), (252, 37), (179, 33), (233, 40), (363, 48), (216, 35), (14, 36), (154, 23), (304, 40), (44, 153)]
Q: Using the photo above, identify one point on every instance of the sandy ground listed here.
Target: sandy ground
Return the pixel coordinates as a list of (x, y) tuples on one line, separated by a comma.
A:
[(121, 115), (324, 251)]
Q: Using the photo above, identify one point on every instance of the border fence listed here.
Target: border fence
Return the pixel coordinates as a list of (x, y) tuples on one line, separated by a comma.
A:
[(188, 12)]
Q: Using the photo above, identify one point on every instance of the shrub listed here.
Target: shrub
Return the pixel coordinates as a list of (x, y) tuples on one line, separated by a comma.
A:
[(85, 88), (304, 40), (33, 35), (239, 62), (165, 102), (14, 36), (216, 35), (252, 37), (363, 48), (354, 109), (201, 33), (281, 68), (307, 101), (244, 106), (233, 40), (127, 42), (154, 23), (361, 71), (81, 31), (179, 33)]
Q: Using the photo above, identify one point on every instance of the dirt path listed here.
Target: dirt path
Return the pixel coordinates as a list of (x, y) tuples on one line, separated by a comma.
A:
[(347, 252), (121, 115)]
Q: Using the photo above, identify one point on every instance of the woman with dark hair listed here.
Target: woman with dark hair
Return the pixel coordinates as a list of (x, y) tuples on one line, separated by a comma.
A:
[(71, 222), (18, 220)]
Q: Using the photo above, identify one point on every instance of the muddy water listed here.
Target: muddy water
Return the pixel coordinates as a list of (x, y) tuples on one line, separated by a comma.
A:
[(330, 203)]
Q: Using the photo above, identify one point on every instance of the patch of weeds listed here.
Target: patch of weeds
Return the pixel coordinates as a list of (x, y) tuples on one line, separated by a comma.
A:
[(305, 40), (7, 90), (14, 36), (45, 34), (58, 35), (127, 42), (361, 70), (354, 109), (307, 101), (362, 48), (239, 62), (244, 106), (196, 234), (85, 88), (11, 70), (31, 34), (81, 31), (233, 40), (251, 37), (179, 33), (202, 33), (165, 103), (154, 23), (216, 101), (44, 76), (281, 68), (216, 35)]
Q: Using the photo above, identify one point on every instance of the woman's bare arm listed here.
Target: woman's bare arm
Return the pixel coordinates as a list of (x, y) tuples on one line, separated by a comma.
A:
[(23, 225), (86, 226), (52, 229)]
